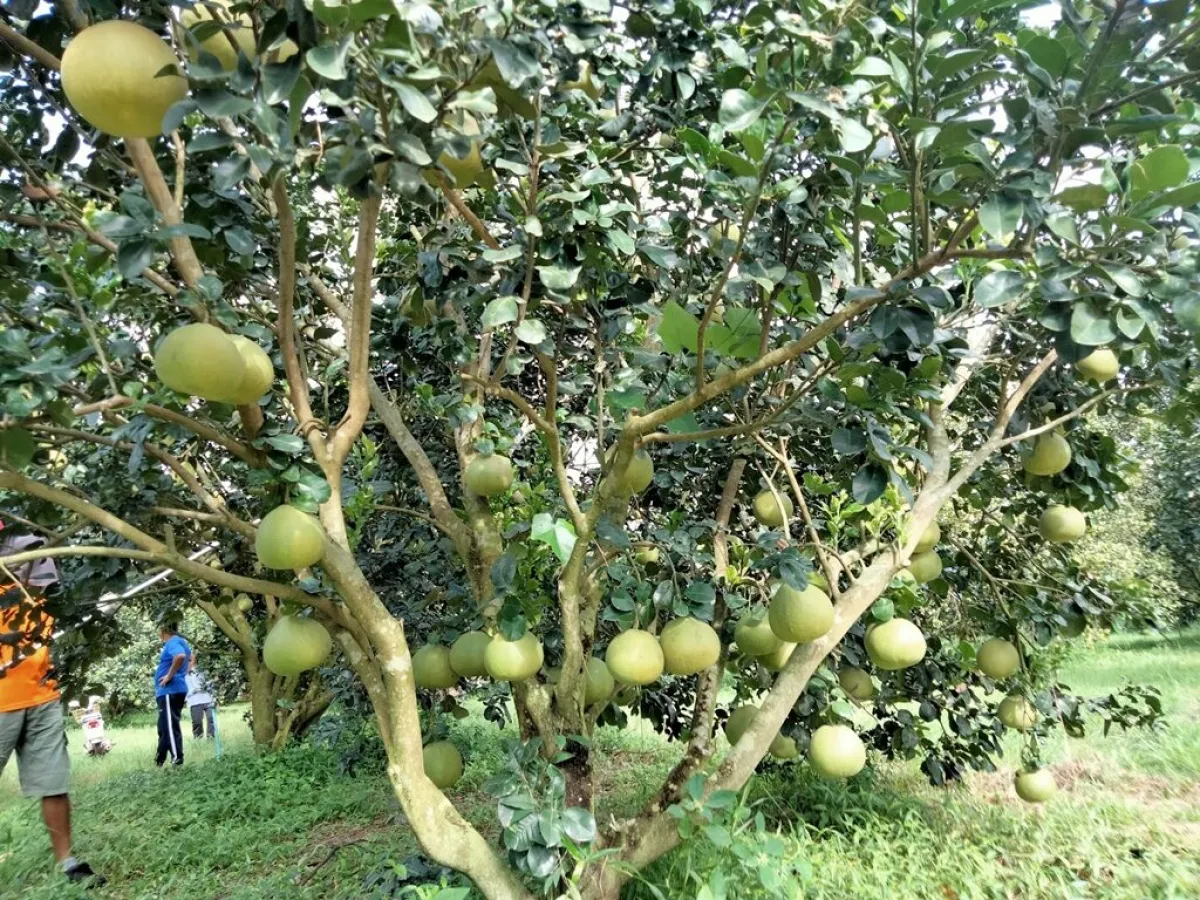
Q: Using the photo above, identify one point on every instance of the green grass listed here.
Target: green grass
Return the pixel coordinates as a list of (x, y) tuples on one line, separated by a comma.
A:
[(1125, 825)]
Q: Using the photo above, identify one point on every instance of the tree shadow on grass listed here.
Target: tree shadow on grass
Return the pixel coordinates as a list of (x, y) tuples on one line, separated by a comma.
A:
[(1185, 641)]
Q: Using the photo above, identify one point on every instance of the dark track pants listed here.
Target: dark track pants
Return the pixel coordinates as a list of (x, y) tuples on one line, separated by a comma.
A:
[(170, 737), (202, 717)]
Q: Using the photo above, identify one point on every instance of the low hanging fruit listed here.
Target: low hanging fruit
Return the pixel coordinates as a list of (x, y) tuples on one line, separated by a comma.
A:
[(585, 82), (110, 76), (896, 644), (1100, 365), (295, 644), (237, 32), (258, 375), (856, 683), (929, 538), (1017, 713), (289, 539), (1051, 454), (443, 763), (640, 472), (800, 616), (782, 747), (998, 658), (431, 668), (1037, 786), (468, 652), (489, 476), (925, 567), (635, 657), (1062, 524), (754, 636), (513, 660), (836, 752), (200, 360), (599, 683), (688, 646), (769, 512), (777, 658)]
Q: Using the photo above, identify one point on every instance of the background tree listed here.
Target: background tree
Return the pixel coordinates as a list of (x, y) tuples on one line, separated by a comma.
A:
[(666, 258)]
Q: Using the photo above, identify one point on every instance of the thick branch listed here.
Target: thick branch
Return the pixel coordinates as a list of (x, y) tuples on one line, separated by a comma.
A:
[(465, 211), (182, 252)]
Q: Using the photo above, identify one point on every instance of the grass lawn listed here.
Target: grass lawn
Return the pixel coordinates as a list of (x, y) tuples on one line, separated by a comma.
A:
[(1125, 824)]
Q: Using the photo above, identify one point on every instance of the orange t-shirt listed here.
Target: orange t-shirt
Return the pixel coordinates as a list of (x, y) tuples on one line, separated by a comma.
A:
[(27, 683)]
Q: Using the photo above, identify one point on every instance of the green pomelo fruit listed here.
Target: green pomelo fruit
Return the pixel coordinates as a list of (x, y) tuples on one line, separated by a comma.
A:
[(724, 231), (1062, 524), (777, 658), (1100, 365), (737, 723), (1051, 454), (238, 27), (443, 763), (768, 512), (513, 660), (856, 683), (200, 360), (783, 747), (110, 74), (289, 539), (431, 668), (1035, 787), (244, 603), (295, 644), (800, 616), (929, 538), (259, 372), (688, 646), (925, 567), (647, 556), (640, 472), (635, 657), (468, 652), (754, 636), (599, 684), (489, 476), (1017, 713), (998, 658), (896, 644), (836, 752)]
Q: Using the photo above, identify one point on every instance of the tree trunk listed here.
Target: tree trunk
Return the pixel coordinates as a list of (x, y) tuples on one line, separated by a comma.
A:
[(262, 704)]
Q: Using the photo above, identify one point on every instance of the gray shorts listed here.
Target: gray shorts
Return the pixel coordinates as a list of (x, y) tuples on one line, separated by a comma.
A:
[(38, 736)]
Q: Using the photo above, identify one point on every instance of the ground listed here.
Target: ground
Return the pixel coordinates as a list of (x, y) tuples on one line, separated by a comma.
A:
[(1126, 823)]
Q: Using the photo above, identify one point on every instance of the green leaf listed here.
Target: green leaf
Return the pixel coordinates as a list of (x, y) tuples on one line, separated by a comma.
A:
[(508, 254), (278, 79), (17, 447), (217, 103), (869, 483), (997, 288), (499, 311), (329, 60), (1047, 53), (873, 67), (240, 240), (1090, 325), (621, 242), (516, 65), (853, 135), (1126, 280), (678, 329), (1162, 168), (531, 331), (415, 103), (1130, 322), (229, 173), (1083, 197), (1000, 216), (559, 278), (739, 165), (134, 256), (579, 825), (739, 110), (555, 533), (1186, 196), (286, 443)]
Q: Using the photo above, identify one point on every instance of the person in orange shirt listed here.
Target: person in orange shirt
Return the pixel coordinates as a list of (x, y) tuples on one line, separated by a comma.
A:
[(31, 717)]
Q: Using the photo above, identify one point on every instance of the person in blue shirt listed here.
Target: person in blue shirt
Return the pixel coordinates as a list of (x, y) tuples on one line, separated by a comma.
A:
[(170, 690)]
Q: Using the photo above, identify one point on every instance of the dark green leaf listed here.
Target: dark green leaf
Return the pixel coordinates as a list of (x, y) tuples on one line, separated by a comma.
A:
[(869, 483), (1090, 325), (240, 240), (286, 443), (579, 825), (134, 256), (997, 288), (500, 310), (329, 60), (739, 110), (414, 102)]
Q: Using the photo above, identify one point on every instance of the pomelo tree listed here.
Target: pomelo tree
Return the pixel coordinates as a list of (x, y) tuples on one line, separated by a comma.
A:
[(609, 281)]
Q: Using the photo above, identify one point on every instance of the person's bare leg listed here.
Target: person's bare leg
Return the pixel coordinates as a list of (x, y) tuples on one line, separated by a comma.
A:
[(56, 813)]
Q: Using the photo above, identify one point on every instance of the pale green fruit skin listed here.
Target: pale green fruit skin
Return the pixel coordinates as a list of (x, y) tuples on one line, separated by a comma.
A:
[(729, 231), (856, 683), (635, 657), (599, 684), (640, 472), (929, 538), (1035, 787), (737, 723), (465, 170), (836, 752), (777, 659), (109, 74), (647, 556), (289, 539), (468, 652), (513, 660), (767, 511), (896, 644), (1051, 454), (1017, 713), (244, 603), (998, 658), (1187, 313), (237, 27), (295, 645), (1062, 524), (800, 616), (489, 476), (200, 360), (431, 668), (783, 747), (688, 646), (1100, 365), (259, 372), (925, 567), (443, 764), (754, 636)]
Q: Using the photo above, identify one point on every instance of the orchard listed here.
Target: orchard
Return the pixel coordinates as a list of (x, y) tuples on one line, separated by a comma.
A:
[(731, 366)]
